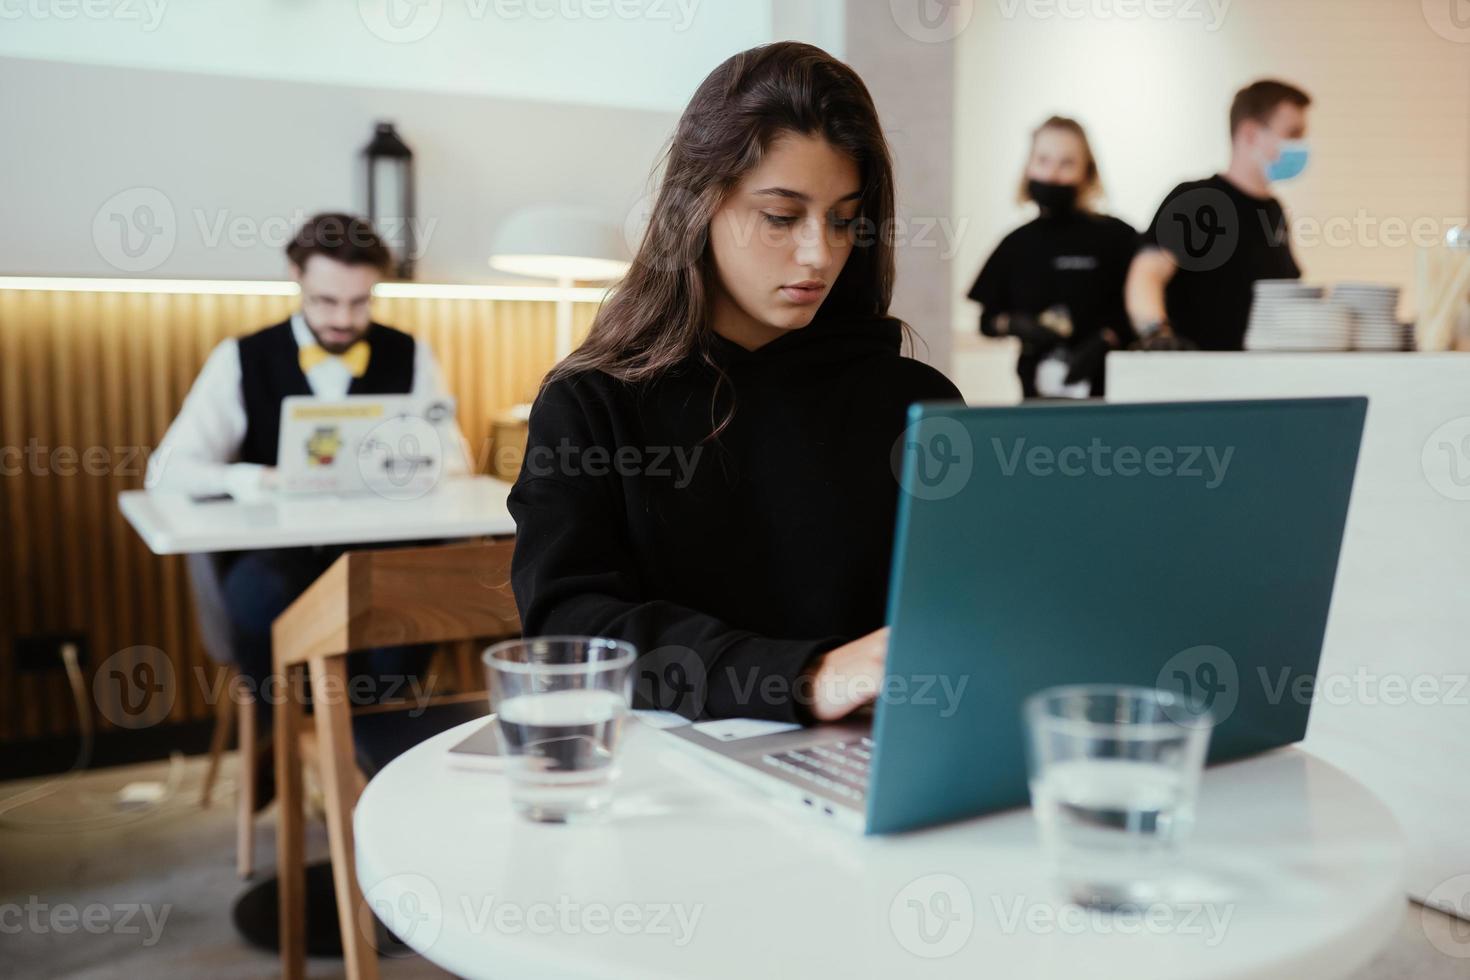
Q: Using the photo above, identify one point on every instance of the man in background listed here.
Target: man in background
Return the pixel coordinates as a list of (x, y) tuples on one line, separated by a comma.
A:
[(1212, 239), (225, 438)]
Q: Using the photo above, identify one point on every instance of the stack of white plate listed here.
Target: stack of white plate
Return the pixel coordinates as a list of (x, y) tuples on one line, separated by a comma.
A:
[(1373, 308), (1290, 315), (1287, 289)]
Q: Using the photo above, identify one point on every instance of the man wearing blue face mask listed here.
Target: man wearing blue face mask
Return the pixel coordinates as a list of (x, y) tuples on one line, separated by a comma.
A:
[(1212, 239)]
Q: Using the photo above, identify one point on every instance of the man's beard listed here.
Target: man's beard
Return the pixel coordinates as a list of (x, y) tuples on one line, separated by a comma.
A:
[(331, 348)]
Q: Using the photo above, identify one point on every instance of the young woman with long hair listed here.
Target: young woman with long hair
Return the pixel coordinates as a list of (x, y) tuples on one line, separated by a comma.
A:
[(709, 475)]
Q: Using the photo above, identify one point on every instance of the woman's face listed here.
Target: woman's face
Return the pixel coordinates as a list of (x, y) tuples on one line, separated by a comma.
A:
[(781, 238), (1057, 157)]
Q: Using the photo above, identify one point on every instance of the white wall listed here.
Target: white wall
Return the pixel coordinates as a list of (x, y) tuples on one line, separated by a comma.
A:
[(224, 125), (819, 22), (909, 75), (1390, 128), (226, 167), (644, 54), (221, 125)]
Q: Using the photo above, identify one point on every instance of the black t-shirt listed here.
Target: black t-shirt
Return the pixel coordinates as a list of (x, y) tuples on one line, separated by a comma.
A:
[(1223, 240), (1076, 259)]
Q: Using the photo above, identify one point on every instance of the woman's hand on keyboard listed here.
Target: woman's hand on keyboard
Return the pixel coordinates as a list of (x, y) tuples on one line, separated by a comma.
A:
[(849, 676)]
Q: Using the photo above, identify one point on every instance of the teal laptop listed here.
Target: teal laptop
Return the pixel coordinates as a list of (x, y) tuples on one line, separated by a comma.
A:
[(1188, 546)]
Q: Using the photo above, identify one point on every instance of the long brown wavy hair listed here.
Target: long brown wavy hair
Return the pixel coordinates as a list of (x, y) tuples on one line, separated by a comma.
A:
[(660, 313)]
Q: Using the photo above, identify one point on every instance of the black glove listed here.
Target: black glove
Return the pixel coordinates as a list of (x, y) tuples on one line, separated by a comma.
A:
[(1086, 359), (1037, 340)]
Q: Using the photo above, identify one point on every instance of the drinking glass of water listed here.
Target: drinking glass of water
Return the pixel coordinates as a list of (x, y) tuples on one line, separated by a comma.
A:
[(1115, 774), (560, 702)]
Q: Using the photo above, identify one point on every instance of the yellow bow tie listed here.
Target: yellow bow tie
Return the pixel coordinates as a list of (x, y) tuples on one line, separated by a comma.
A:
[(355, 358)]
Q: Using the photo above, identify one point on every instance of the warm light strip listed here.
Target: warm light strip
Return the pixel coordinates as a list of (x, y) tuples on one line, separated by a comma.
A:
[(550, 294), (69, 284), (245, 287)]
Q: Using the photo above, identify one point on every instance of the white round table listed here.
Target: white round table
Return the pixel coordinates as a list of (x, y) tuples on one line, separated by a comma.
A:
[(696, 875)]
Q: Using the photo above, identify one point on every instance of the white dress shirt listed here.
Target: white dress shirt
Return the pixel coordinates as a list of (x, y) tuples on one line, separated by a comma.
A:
[(198, 453)]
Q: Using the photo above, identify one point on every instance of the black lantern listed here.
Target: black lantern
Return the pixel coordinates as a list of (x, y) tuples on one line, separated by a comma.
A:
[(390, 202)]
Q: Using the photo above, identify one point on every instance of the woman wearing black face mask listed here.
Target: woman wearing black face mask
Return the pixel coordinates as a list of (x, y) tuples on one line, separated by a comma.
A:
[(1056, 283)]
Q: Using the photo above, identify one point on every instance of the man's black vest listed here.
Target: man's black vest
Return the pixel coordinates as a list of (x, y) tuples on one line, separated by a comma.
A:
[(270, 370)]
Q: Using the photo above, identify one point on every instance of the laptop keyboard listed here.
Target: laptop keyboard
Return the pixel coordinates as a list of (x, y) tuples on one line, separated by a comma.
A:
[(840, 767)]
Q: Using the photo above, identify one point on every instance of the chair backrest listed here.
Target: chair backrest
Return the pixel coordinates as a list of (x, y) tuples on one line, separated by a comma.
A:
[(210, 613)]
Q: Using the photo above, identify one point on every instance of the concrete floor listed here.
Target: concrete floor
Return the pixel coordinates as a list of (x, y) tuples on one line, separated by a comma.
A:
[(175, 863), (174, 856)]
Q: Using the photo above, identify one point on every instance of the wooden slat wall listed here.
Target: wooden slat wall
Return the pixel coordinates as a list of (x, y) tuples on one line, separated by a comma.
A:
[(105, 372)]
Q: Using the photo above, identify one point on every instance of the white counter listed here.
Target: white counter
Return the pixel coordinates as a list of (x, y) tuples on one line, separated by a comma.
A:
[(1393, 697)]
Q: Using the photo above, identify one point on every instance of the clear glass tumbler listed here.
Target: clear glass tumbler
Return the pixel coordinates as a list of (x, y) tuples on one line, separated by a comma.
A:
[(560, 702), (1114, 776)]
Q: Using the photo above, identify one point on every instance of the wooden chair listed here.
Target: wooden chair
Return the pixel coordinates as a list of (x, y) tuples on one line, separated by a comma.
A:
[(366, 599)]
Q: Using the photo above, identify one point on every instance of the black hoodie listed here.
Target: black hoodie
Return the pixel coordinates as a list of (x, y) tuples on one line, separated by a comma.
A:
[(729, 563)]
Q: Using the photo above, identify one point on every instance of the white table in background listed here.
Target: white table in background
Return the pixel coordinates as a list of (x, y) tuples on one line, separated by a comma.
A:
[(172, 523), (1306, 863)]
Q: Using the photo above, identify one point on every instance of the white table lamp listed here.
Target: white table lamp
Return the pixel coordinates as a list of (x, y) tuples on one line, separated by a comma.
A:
[(563, 243)]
